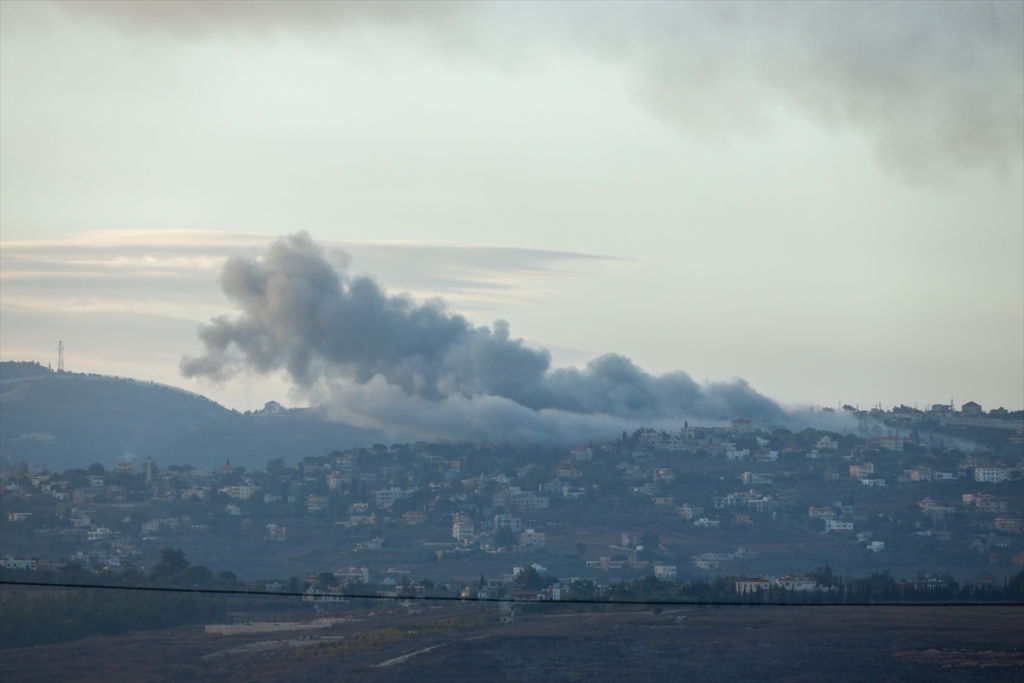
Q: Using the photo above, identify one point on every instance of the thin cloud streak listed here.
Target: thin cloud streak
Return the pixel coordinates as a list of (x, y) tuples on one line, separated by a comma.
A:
[(176, 271)]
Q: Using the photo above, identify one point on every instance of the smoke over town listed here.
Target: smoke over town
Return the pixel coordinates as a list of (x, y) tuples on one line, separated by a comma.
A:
[(386, 361)]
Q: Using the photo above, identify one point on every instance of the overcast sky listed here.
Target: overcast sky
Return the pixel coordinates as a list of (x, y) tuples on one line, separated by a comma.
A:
[(822, 199)]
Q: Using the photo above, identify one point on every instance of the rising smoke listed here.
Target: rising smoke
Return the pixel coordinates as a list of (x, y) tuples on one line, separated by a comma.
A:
[(388, 362)]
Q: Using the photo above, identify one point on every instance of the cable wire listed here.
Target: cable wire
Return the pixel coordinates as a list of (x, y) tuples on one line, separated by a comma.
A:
[(568, 601)]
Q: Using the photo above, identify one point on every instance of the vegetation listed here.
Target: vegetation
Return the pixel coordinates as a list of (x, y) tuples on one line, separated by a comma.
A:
[(48, 617)]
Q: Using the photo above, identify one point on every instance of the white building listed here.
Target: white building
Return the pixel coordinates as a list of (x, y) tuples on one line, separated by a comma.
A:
[(991, 475), (826, 443), (462, 528), (705, 522), (890, 443), (796, 583), (387, 497), (836, 525), (514, 524), (665, 572), (241, 492), (11, 563), (876, 546), (276, 532), (374, 544), (582, 454), (745, 586), (687, 511)]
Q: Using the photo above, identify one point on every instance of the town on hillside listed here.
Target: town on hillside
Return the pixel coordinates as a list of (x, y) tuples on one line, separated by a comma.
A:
[(933, 497)]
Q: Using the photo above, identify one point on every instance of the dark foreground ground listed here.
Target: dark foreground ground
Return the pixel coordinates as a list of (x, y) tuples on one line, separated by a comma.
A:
[(551, 644)]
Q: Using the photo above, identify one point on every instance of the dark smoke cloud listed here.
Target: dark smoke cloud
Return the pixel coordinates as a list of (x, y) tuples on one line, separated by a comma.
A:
[(934, 87), (389, 362)]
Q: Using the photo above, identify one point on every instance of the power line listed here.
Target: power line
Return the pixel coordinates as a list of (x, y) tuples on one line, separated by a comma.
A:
[(569, 601)]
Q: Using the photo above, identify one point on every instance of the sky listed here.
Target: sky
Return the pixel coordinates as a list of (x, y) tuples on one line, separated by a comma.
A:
[(821, 200)]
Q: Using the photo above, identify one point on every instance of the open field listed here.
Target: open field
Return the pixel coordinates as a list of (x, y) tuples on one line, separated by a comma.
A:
[(553, 644)]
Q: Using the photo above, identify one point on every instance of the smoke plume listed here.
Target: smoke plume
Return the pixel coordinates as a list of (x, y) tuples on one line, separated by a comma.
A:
[(417, 368), (934, 88)]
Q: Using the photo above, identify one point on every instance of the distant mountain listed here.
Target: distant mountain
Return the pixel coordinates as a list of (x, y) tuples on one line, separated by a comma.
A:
[(65, 419)]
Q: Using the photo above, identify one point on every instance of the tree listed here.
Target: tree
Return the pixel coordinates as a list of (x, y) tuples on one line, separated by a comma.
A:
[(529, 579), (197, 574), (96, 470), (325, 580), (504, 538), (172, 562), (650, 543), (823, 576)]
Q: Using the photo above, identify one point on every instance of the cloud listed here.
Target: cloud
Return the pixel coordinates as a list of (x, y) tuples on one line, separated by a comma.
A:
[(390, 362), (934, 88), (173, 272)]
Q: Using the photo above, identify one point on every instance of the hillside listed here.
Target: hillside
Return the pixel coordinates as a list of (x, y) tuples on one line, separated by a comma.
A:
[(62, 420)]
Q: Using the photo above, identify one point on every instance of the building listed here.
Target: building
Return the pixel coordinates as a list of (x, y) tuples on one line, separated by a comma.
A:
[(740, 426), (373, 544), (11, 563), (876, 546), (353, 575), (826, 443), (860, 471), (745, 586), (242, 491), (873, 482), (889, 443), (991, 475), (414, 517), (687, 511), (462, 528), (314, 503), (836, 525), (514, 524), (1008, 523), (821, 513), (754, 478), (387, 497), (276, 532), (582, 454), (665, 572), (796, 583), (531, 539), (705, 522), (971, 409)]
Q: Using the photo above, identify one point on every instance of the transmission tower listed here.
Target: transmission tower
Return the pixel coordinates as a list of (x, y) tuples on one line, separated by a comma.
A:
[(60, 356)]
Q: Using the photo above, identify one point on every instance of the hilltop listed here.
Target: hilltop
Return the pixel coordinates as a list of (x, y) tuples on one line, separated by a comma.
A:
[(66, 419)]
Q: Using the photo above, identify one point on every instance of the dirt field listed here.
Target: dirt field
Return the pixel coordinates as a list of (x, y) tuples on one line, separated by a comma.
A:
[(455, 644)]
